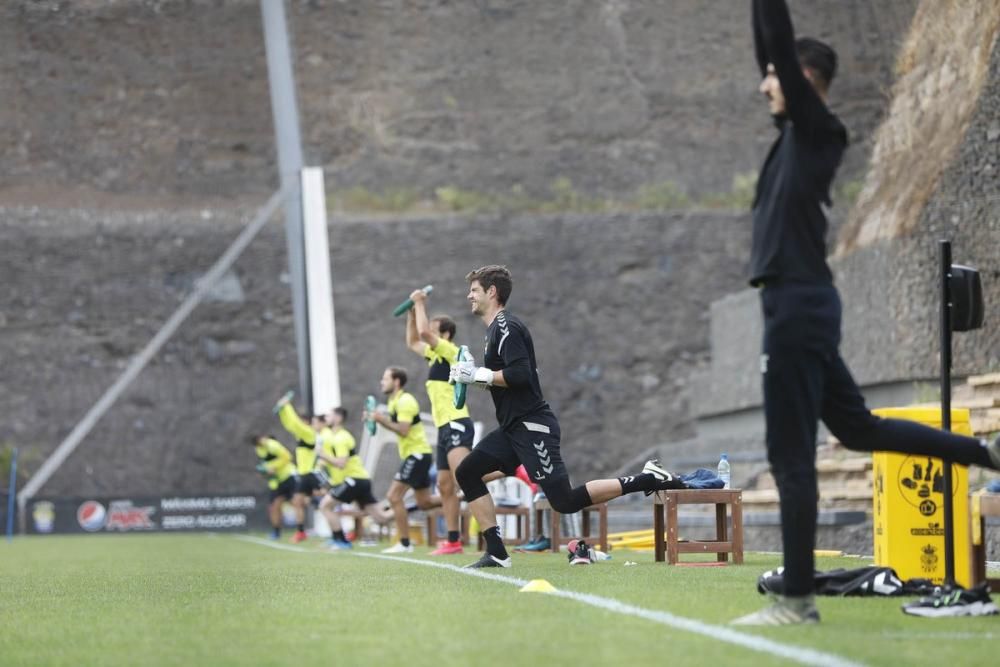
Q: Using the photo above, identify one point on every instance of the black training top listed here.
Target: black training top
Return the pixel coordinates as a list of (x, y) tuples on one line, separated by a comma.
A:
[(789, 226), (509, 348)]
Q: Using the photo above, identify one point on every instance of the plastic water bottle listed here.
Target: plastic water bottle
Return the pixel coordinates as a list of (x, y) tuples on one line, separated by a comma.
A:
[(724, 470)]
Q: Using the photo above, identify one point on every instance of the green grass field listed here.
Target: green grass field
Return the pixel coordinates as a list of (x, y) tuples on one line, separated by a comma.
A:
[(225, 600)]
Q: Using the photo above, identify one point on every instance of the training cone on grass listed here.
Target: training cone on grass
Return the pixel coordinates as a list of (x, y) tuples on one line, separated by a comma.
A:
[(538, 586)]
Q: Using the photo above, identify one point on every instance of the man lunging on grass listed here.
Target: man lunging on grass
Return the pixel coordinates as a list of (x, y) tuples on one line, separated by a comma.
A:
[(529, 431)]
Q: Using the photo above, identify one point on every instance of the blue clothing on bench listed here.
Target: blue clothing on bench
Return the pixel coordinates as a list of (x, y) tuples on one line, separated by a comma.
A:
[(702, 478)]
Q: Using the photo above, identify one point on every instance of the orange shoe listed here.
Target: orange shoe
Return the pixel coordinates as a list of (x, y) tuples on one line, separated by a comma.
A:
[(447, 548), (298, 536)]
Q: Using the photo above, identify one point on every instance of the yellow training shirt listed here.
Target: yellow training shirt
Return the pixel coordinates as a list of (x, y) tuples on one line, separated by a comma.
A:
[(439, 390), (404, 409)]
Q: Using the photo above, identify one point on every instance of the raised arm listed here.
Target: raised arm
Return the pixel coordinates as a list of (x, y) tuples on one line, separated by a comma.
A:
[(412, 335), (774, 38), (427, 335), (294, 424)]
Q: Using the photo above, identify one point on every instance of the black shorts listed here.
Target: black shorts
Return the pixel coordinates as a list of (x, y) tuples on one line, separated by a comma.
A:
[(285, 489), (533, 441), (308, 483), (415, 471), (458, 433), (354, 491)]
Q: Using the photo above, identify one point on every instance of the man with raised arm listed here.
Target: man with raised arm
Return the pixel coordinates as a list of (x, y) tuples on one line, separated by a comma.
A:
[(433, 339), (804, 377)]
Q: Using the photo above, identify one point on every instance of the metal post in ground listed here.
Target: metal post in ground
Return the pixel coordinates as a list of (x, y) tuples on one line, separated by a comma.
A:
[(945, 324), (11, 495)]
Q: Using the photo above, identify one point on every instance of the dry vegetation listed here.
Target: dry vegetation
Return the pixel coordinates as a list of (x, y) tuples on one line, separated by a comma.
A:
[(941, 69)]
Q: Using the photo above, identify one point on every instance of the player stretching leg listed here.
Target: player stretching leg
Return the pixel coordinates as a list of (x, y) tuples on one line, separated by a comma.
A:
[(414, 452), (276, 463), (529, 432), (433, 340), (349, 480), (804, 377)]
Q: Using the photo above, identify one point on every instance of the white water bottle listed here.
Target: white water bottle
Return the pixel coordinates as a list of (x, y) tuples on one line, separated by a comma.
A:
[(724, 470)]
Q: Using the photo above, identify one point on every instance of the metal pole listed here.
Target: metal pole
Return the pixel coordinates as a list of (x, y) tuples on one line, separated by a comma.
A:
[(289, 143), (949, 519), (11, 492)]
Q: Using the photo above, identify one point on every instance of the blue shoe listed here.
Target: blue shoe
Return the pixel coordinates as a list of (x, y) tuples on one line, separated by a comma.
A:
[(541, 544), (339, 545)]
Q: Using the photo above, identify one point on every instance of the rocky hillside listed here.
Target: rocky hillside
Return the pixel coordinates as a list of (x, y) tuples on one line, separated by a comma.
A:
[(168, 100)]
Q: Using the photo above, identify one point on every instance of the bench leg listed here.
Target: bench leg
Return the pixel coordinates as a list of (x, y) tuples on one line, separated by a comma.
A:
[(603, 527), (672, 555), (721, 529), (659, 546), (737, 532)]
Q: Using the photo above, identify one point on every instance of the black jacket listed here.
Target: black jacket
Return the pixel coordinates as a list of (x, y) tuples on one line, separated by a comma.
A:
[(789, 225)]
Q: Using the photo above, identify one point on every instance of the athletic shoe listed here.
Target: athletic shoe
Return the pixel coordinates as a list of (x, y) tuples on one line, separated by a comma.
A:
[(448, 548), (275, 535), (541, 543), (664, 478), (784, 611), (994, 449), (489, 561), (398, 548), (339, 545), (299, 536), (959, 602), (581, 554)]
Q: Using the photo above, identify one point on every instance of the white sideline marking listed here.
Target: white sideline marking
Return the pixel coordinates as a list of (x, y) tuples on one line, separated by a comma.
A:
[(804, 656)]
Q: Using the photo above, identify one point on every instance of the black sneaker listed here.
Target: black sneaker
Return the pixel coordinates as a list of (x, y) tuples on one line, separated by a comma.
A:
[(958, 602), (581, 554), (665, 480), (489, 561)]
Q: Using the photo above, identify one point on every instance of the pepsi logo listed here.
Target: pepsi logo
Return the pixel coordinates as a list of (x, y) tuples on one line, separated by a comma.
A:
[(91, 515)]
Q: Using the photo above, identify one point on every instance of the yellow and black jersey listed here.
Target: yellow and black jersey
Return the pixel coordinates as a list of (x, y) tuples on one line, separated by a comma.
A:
[(342, 444), (404, 409), (440, 392), (277, 461)]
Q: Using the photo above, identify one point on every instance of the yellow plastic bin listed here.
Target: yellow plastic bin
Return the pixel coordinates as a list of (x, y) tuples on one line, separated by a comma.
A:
[(908, 512)]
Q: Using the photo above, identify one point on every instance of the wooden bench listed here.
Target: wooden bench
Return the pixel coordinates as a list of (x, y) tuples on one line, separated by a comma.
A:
[(989, 505), (665, 535), (542, 505), (432, 523)]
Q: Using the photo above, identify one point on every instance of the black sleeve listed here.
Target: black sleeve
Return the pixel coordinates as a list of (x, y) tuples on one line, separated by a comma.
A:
[(513, 351), (758, 41), (775, 41)]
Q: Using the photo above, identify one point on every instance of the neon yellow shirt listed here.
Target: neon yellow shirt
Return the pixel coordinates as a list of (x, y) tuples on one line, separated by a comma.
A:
[(404, 409), (277, 461), (343, 444), (440, 392)]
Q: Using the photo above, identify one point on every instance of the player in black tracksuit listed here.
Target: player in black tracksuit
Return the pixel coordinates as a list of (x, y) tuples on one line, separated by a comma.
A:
[(529, 432), (804, 377)]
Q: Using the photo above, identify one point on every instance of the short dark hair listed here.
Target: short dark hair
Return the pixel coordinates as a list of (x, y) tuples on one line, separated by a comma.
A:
[(341, 412), (493, 275), (446, 325), (398, 373), (818, 57)]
